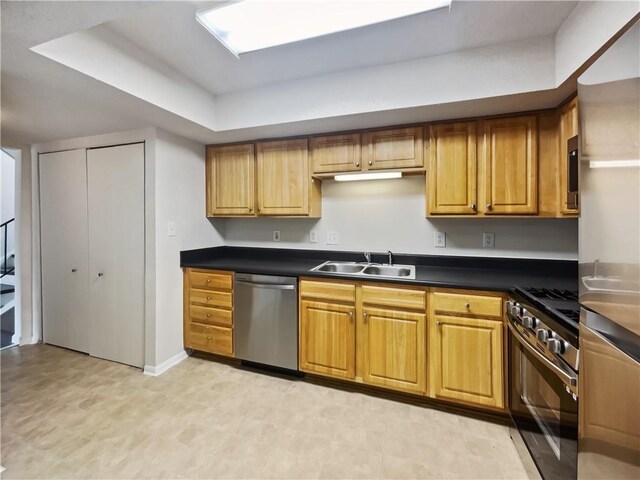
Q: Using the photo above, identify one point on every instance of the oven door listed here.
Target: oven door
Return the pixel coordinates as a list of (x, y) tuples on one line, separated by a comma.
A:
[(543, 406)]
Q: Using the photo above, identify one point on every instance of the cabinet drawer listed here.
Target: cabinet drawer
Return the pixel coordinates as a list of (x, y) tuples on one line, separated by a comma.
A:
[(341, 292), (467, 304), (394, 297), (202, 279), (208, 297), (212, 316), (211, 339)]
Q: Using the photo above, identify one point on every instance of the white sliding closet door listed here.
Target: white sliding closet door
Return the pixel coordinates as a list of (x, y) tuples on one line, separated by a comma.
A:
[(64, 248), (116, 252)]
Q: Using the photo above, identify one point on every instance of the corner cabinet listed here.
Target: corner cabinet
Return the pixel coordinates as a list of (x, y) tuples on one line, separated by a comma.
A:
[(230, 173), (285, 186), (466, 348)]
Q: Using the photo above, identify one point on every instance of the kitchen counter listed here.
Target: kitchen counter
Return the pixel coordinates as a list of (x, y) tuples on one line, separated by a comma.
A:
[(477, 273)]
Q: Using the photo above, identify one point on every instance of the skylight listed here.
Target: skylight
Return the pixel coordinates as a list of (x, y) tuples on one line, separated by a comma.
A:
[(251, 25)]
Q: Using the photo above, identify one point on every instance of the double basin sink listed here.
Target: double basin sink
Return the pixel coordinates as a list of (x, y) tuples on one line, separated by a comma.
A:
[(367, 269)]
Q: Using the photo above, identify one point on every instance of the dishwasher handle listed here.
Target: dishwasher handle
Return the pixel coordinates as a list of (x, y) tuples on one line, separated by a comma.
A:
[(266, 285)]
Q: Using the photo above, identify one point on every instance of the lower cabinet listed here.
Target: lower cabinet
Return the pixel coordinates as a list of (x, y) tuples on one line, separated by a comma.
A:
[(208, 311), (466, 355), (328, 339), (394, 352)]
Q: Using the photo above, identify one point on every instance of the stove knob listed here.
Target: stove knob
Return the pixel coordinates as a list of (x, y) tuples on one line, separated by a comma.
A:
[(516, 311), (529, 322), (508, 305), (556, 346), (542, 334)]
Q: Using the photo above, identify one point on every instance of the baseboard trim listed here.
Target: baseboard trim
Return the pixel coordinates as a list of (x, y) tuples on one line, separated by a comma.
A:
[(164, 366)]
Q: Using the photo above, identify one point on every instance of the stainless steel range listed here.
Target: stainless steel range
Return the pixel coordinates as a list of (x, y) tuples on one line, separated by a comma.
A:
[(544, 359)]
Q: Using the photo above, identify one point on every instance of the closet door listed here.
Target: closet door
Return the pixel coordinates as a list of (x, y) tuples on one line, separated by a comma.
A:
[(116, 252), (64, 245)]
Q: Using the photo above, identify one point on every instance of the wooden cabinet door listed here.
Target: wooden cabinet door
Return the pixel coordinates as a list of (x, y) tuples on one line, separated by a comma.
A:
[(394, 349), (230, 180), (335, 153), (568, 129), (452, 177), (397, 148), (510, 161), (283, 177), (465, 360), (328, 339)]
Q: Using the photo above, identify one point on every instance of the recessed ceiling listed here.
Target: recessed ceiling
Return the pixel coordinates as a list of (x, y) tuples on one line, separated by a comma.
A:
[(171, 33)]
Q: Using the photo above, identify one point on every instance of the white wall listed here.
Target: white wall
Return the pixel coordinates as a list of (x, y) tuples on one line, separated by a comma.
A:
[(180, 199), (390, 215)]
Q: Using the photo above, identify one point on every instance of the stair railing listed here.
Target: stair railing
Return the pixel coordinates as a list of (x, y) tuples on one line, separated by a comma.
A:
[(4, 268)]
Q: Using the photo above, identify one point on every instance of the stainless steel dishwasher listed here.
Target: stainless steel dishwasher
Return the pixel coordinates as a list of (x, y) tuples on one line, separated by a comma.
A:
[(266, 319)]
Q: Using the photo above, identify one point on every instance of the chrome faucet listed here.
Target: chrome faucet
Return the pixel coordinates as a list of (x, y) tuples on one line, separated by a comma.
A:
[(390, 257), (367, 255), (596, 262)]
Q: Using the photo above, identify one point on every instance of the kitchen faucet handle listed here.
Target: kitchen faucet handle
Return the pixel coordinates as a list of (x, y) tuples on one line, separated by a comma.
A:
[(390, 257), (367, 255)]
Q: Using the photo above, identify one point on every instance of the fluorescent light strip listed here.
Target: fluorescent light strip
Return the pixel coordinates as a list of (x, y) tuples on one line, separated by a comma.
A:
[(252, 25), (614, 163), (354, 177)]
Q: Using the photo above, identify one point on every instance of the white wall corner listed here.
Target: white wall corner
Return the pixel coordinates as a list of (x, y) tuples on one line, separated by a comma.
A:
[(166, 365)]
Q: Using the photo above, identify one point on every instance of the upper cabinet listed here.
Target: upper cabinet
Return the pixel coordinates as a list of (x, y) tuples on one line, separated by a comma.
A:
[(268, 179), (452, 179), (568, 129), (335, 153), (509, 158), (230, 172), (284, 181), (392, 149)]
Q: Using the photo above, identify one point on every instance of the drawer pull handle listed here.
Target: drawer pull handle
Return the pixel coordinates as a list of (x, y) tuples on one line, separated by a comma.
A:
[(208, 338), (357, 164), (208, 280), (467, 306), (439, 323), (208, 297), (208, 315), (370, 162)]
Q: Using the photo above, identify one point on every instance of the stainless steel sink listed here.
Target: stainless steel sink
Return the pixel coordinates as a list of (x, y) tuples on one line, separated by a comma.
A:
[(390, 271), (367, 270), (339, 267)]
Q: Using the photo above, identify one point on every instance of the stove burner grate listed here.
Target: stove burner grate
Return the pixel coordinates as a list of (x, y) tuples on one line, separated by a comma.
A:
[(552, 294)]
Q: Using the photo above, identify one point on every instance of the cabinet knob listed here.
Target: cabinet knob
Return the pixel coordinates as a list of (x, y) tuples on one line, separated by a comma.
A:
[(208, 315), (208, 280), (439, 323), (208, 338), (364, 316), (350, 314), (474, 207), (208, 297), (259, 209), (74, 270), (370, 162), (489, 206), (357, 164), (251, 209), (467, 306)]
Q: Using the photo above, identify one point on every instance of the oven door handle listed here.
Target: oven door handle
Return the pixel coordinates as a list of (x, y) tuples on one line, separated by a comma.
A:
[(571, 380)]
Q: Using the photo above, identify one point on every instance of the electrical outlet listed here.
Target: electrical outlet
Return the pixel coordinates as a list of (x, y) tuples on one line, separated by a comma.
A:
[(439, 239), (333, 238), (488, 240), (276, 235), (313, 236), (171, 229)]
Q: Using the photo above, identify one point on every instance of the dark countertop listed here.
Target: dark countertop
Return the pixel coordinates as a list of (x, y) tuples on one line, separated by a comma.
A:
[(478, 273)]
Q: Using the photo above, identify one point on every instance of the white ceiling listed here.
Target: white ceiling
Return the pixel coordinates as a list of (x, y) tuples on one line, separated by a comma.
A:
[(171, 33), (71, 93)]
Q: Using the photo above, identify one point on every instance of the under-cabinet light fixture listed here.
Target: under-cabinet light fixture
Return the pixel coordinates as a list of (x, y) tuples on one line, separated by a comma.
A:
[(251, 25), (353, 177)]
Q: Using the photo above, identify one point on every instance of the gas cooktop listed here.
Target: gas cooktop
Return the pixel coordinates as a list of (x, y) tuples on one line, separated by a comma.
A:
[(562, 304)]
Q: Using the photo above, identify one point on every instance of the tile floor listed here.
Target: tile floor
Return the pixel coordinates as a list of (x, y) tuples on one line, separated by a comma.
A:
[(67, 415)]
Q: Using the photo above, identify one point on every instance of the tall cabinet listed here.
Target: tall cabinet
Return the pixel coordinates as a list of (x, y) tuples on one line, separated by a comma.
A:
[(92, 236)]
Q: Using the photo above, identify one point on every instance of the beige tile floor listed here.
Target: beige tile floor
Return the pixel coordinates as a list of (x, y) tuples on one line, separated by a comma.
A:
[(67, 415)]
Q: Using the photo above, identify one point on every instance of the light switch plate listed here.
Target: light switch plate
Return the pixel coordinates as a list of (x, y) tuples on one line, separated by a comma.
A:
[(333, 238), (313, 236), (276, 235), (488, 240), (439, 239), (171, 229)]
